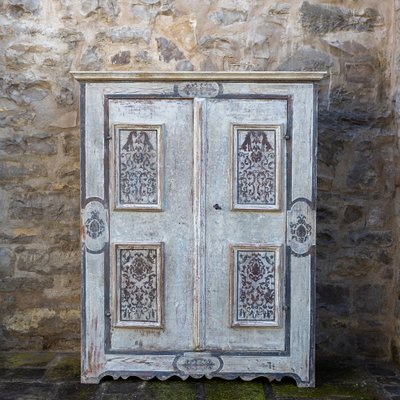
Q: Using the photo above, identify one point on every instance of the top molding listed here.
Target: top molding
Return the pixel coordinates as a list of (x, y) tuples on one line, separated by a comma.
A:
[(250, 76)]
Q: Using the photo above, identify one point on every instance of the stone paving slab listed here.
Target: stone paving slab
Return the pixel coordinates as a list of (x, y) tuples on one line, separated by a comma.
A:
[(55, 376)]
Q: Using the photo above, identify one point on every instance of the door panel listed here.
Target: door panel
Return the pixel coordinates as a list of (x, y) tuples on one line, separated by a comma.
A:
[(151, 224), (138, 167), (245, 224), (255, 285)]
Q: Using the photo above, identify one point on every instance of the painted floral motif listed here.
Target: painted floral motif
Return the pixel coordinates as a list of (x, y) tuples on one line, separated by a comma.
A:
[(94, 225), (256, 286), (138, 297), (138, 167), (300, 230), (256, 165)]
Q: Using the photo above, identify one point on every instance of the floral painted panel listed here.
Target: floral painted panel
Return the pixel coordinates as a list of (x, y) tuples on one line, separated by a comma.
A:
[(256, 164), (139, 284), (256, 288), (138, 158)]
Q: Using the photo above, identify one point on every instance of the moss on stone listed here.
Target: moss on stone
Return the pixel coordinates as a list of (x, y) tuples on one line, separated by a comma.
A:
[(339, 372), (170, 390), (326, 391), (234, 390), (77, 391), (17, 360), (84, 394), (64, 368)]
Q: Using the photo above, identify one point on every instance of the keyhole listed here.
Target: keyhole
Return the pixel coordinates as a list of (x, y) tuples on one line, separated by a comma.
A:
[(217, 206)]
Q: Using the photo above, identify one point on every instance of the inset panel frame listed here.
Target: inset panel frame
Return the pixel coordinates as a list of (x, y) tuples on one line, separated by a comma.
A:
[(245, 157), (148, 194), (238, 250), (151, 260)]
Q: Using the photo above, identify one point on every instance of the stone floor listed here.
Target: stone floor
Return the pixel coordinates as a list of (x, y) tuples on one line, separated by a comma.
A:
[(55, 376)]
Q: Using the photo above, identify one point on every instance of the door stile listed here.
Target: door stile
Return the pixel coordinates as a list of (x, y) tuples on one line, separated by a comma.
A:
[(199, 196)]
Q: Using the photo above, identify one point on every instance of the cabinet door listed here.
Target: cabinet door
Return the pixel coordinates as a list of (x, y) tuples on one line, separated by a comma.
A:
[(151, 224), (245, 211)]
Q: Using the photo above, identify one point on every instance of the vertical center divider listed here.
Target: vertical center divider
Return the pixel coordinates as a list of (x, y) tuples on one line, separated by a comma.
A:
[(199, 197)]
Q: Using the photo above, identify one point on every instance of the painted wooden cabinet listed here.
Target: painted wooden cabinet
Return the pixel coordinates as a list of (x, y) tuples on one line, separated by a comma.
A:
[(198, 224)]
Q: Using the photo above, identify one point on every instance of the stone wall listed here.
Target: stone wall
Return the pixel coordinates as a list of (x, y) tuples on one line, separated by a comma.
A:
[(396, 83), (42, 40)]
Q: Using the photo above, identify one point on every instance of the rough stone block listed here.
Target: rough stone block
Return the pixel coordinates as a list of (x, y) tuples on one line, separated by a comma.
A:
[(10, 284), (184, 65), (150, 2), (49, 206), (351, 47), (387, 377), (40, 144), (361, 73), (326, 213), (71, 144), (227, 17), (11, 170), (30, 95), (168, 50), (7, 262), (217, 45), (65, 97), (364, 174), (18, 120), (322, 19), (372, 238), (371, 299), (31, 391), (143, 56), (235, 64), (353, 263), (67, 120), (90, 59), (121, 58), (66, 239), (393, 390), (19, 236), (107, 8), (77, 391), (143, 12), (353, 213), (69, 35), (12, 341), (125, 34), (24, 54), (333, 298), (326, 238), (33, 260), (70, 172), (307, 59), (373, 344), (18, 374), (324, 183), (279, 9), (27, 6)]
